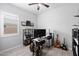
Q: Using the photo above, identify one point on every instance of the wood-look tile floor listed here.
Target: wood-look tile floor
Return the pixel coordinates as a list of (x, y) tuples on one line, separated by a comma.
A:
[(25, 51)]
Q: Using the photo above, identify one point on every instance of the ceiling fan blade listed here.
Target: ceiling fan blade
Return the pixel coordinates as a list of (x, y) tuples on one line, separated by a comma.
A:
[(32, 3), (45, 5), (38, 8)]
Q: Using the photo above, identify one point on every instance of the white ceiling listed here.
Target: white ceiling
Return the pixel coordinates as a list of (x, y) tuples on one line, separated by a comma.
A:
[(33, 8)]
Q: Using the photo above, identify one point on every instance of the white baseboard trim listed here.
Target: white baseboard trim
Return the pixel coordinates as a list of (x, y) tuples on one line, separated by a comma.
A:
[(11, 48)]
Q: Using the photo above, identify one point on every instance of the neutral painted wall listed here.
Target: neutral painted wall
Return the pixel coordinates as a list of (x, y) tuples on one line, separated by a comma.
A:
[(60, 20), (12, 41)]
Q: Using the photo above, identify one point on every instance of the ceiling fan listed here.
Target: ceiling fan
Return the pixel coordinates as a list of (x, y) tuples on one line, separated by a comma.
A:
[(38, 5)]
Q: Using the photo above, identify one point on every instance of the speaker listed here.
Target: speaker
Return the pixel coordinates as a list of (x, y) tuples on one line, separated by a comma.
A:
[(28, 23)]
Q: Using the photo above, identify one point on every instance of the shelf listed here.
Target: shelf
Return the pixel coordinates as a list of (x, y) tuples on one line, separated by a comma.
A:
[(76, 16), (75, 25)]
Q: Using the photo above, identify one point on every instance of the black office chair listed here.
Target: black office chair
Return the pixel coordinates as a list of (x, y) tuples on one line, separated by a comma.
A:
[(27, 40)]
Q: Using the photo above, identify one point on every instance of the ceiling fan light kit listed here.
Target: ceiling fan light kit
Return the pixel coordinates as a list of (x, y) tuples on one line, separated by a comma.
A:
[(39, 5)]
